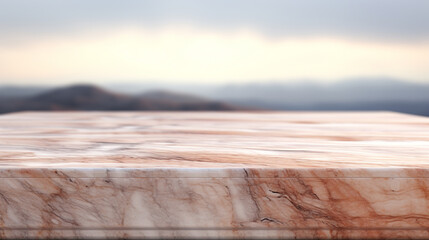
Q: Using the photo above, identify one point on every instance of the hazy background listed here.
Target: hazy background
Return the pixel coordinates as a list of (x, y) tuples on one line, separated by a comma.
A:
[(214, 55)]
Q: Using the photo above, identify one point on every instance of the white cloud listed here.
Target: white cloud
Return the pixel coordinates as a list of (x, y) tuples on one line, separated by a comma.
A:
[(195, 55)]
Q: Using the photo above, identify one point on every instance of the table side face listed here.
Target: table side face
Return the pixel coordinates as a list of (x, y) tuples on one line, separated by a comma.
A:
[(215, 203), (245, 207)]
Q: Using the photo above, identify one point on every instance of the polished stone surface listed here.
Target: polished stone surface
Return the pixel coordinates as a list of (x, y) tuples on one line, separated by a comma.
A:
[(214, 175)]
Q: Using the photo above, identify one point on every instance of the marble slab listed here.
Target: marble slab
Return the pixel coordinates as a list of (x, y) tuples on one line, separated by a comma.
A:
[(276, 175)]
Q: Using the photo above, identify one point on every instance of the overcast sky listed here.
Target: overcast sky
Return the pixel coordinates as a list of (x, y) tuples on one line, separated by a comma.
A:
[(212, 41)]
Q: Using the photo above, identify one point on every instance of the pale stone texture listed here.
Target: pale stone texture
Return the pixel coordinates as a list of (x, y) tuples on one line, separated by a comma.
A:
[(214, 175)]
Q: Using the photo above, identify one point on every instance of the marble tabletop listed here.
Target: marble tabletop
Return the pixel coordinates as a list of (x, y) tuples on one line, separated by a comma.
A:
[(214, 174), (213, 140)]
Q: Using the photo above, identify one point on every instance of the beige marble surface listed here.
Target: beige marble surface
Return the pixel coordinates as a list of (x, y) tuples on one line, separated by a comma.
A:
[(214, 175)]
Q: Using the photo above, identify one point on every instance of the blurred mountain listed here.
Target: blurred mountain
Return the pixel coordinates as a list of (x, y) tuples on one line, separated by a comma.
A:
[(89, 97), (168, 96), (356, 94), (81, 97)]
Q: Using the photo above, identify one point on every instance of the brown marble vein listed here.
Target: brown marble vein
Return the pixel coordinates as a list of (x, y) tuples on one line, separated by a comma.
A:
[(214, 175)]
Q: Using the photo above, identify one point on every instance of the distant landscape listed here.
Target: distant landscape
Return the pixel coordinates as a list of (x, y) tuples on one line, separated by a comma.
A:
[(355, 94), (90, 98)]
